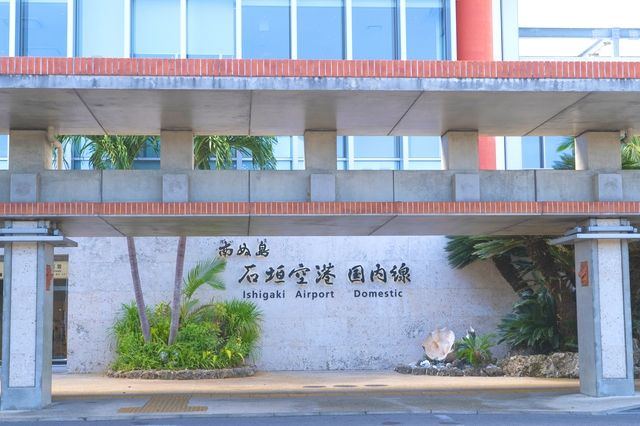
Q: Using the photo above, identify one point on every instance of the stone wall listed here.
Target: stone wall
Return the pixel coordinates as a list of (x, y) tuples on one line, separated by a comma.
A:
[(337, 331)]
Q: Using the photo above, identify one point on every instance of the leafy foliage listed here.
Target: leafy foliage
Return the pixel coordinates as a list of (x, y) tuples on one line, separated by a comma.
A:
[(532, 323), (260, 149), (212, 335), (475, 349)]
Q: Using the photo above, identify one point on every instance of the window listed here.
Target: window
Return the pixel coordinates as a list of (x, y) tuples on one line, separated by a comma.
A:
[(551, 153), (211, 29), (320, 29), (4, 152), (4, 27), (156, 28), (100, 28), (374, 29), (425, 29), (531, 152), (43, 29), (265, 29), (376, 152)]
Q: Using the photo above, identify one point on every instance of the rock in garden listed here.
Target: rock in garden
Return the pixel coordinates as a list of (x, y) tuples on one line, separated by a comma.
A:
[(555, 365), (439, 343)]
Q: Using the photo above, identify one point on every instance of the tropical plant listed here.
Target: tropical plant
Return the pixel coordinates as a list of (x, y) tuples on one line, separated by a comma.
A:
[(211, 335), (474, 349), (119, 152), (532, 324)]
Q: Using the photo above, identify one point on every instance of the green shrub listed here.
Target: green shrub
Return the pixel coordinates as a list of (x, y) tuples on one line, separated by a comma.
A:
[(533, 323), (220, 335), (474, 349)]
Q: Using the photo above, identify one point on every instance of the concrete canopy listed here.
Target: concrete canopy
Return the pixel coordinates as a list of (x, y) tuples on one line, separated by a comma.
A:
[(418, 98)]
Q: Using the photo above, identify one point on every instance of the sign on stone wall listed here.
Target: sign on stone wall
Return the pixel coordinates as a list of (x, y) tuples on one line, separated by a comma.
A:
[(314, 281), (60, 270)]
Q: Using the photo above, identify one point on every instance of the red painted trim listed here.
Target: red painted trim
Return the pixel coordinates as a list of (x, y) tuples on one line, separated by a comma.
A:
[(317, 68), (79, 209)]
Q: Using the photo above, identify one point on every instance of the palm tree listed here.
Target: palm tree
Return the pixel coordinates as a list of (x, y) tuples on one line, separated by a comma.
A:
[(260, 149), (119, 152), (518, 258)]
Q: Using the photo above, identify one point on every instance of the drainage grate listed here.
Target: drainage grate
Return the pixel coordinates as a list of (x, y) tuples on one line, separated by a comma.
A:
[(344, 386), (165, 404), (375, 386)]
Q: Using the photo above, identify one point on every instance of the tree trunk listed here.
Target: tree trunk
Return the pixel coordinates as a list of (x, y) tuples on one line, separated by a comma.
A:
[(177, 290), (137, 290), (504, 264)]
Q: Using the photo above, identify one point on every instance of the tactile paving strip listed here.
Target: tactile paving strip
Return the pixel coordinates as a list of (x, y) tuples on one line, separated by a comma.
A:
[(165, 404)]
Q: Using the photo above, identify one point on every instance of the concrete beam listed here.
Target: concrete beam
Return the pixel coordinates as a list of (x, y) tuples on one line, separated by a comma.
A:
[(320, 150), (460, 151), (599, 151), (176, 150)]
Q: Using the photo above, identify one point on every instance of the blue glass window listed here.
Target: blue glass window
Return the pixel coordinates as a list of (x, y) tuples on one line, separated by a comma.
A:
[(374, 29), (531, 152), (211, 28), (4, 27), (551, 154), (156, 29), (320, 29), (43, 29), (424, 146), (265, 29), (425, 32), (375, 147), (4, 146), (100, 28)]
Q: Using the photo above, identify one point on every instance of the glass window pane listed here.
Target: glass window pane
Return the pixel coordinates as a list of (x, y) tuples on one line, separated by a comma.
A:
[(211, 28), (320, 29), (44, 28), (341, 143), (375, 147), (551, 154), (4, 146), (156, 28), (531, 152), (424, 146), (282, 148), (376, 165), (425, 32), (4, 27), (100, 28), (4, 165), (424, 165), (374, 29), (265, 29)]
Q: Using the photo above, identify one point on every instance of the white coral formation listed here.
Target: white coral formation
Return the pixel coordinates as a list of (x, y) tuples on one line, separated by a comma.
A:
[(439, 343)]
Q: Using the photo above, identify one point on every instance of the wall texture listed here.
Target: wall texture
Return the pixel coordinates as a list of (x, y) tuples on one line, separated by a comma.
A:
[(339, 330)]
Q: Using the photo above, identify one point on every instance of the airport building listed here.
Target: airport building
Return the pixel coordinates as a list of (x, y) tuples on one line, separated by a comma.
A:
[(398, 122)]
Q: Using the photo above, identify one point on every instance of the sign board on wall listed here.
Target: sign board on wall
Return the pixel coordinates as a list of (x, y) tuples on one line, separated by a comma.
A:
[(60, 270)]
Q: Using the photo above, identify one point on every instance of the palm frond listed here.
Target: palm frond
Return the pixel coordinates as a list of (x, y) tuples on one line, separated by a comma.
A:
[(206, 272), (259, 148)]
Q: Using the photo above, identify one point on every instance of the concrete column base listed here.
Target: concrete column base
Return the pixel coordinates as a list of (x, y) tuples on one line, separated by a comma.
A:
[(27, 319), (604, 315)]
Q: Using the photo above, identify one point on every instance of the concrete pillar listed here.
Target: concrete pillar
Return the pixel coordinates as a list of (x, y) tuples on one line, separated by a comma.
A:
[(604, 314), (321, 155), (320, 150), (598, 151), (176, 150), (27, 321), (176, 154), (30, 151), (460, 153)]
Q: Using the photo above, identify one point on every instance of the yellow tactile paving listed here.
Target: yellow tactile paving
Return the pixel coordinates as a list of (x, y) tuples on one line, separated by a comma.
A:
[(165, 404)]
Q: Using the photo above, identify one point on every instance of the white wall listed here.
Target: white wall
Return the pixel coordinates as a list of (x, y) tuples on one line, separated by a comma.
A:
[(342, 332)]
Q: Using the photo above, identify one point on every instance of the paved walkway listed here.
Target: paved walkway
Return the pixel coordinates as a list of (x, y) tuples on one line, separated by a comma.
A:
[(329, 392)]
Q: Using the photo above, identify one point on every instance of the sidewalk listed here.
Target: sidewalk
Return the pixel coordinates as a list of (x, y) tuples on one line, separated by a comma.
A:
[(94, 397)]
